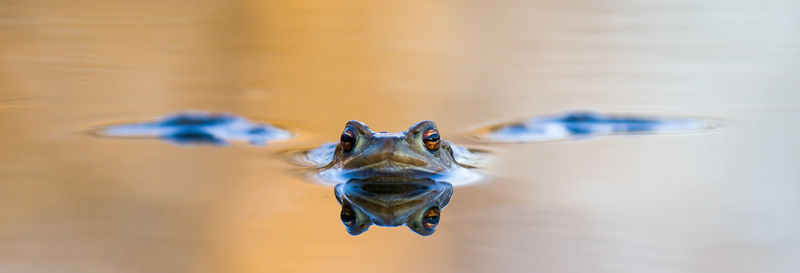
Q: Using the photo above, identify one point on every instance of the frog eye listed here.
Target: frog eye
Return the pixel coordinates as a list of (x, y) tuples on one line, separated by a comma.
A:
[(431, 139), (348, 216), (431, 218), (348, 139)]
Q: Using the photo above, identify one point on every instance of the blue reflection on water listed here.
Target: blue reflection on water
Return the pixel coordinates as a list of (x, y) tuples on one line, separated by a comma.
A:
[(193, 128), (584, 124)]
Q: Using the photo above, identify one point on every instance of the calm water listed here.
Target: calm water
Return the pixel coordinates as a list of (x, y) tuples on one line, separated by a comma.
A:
[(725, 200)]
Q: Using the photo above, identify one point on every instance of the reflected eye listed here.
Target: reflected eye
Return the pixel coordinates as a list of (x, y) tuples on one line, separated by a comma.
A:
[(348, 216), (348, 139), (431, 139), (431, 218)]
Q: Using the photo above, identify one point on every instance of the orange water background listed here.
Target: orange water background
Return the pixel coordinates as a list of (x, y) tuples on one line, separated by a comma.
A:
[(719, 201)]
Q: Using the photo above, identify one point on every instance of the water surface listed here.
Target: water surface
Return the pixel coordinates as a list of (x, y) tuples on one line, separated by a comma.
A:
[(715, 201)]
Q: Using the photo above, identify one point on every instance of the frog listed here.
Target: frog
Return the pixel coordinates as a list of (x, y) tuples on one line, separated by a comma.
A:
[(394, 179), (392, 201), (417, 152)]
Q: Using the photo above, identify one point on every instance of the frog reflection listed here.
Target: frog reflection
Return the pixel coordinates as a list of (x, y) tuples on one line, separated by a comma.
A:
[(392, 201)]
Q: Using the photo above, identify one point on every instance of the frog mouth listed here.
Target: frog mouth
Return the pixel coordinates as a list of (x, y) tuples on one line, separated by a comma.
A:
[(386, 159), (389, 164), (389, 168)]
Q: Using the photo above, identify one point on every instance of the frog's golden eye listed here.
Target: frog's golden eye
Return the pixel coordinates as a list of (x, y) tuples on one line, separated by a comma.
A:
[(348, 139), (431, 218), (348, 216), (431, 139)]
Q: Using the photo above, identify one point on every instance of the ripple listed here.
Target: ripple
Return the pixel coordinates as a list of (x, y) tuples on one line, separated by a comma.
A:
[(317, 160), (199, 128), (575, 125)]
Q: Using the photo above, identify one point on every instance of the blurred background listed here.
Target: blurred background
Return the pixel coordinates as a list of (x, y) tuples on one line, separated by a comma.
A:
[(725, 200)]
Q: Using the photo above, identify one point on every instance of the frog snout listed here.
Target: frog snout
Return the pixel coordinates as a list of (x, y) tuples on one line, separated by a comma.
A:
[(393, 150), (397, 150)]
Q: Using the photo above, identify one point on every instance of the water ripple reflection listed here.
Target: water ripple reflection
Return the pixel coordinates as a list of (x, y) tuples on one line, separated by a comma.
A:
[(575, 125), (194, 128)]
